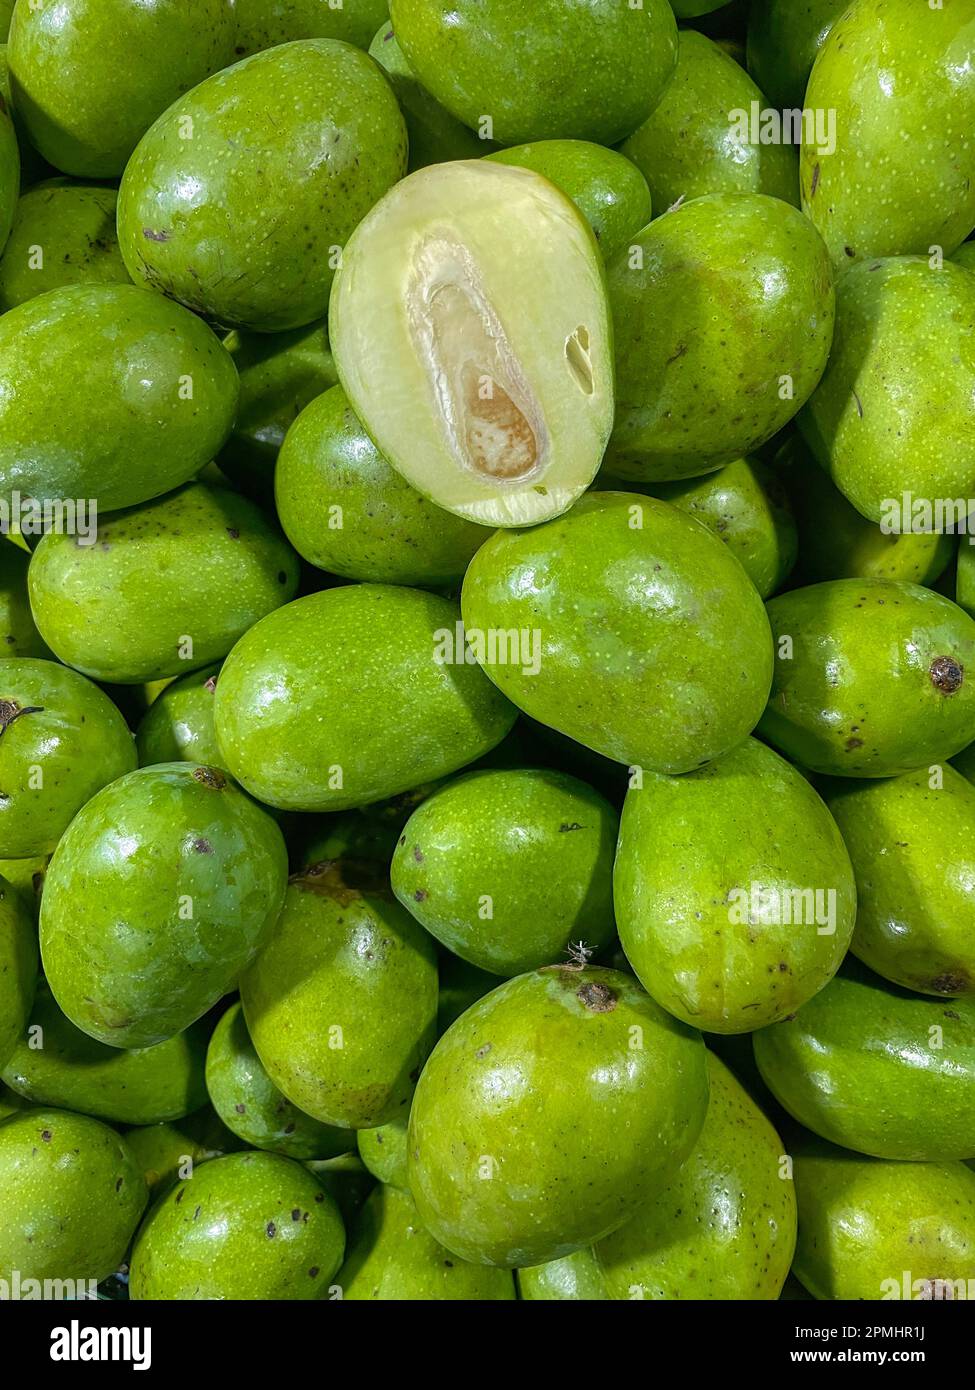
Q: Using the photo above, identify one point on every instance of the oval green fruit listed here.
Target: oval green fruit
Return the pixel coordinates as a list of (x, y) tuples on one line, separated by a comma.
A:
[(784, 37), (266, 23), (170, 1151), (18, 968), (383, 1151), (575, 1278), (63, 234), (18, 631), (178, 725)]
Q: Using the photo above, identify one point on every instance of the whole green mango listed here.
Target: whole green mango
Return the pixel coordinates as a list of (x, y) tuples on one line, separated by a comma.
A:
[(383, 1151), (178, 725), (639, 635), (161, 892), (575, 1278), (870, 677), (18, 968), (170, 1151), (9, 172), (63, 234), (784, 37), (18, 631), (266, 23)]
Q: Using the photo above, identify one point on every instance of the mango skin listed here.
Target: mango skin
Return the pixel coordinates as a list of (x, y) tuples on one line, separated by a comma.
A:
[(734, 294), (167, 1152), (377, 716), (784, 37), (391, 1257), (161, 893), (74, 225), (877, 682), (541, 1080), (574, 1279), (18, 968), (18, 631), (383, 1151), (689, 846), (193, 223), (90, 377), (246, 1226), (55, 720), (344, 956), (201, 563), (913, 852), (860, 1066), (902, 176), (265, 23), (863, 1223), (178, 725), (653, 646), (72, 1196)]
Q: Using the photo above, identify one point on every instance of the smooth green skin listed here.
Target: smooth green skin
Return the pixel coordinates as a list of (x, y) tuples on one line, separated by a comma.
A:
[(95, 381), (734, 293), (341, 1004), (337, 700), (33, 166), (90, 76), (264, 23), (170, 1151), (685, 151), (162, 891), (54, 1063), (346, 510), (872, 1067), (575, 1092), (9, 172), (18, 968), (538, 844), (202, 563), (383, 1151), (246, 1226), (461, 986), (784, 37), (726, 1227), (892, 414), (654, 649), (864, 686), (194, 221), (391, 1257), (250, 1104), (62, 741), (178, 725), (864, 1223), (544, 72), (26, 877), (71, 1195), (687, 844), (18, 631), (965, 577), (609, 190), (902, 176), (576, 1278), (913, 852), (74, 225)]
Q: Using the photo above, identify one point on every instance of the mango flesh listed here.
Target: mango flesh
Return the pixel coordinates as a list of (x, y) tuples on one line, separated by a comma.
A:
[(63, 234), (161, 893), (575, 1278), (18, 968), (383, 1151), (178, 725), (18, 631), (784, 37), (167, 1152), (265, 23)]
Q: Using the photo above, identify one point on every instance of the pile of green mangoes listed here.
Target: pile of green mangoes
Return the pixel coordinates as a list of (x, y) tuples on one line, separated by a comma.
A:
[(487, 649)]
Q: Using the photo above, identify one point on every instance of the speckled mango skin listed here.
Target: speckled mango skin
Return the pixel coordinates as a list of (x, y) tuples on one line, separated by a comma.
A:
[(784, 37), (72, 1196), (346, 510), (913, 852), (194, 215), (383, 1151), (18, 968), (162, 1151), (160, 894), (56, 721), (341, 1003), (874, 1068), (653, 646), (689, 845), (863, 1222), (18, 631), (575, 1279), (734, 293), (902, 177), (377, 714), (74, 225), (178, 725), (538, 844), (879, 680), (9, 172), (265, 23), (201, 563), (246, 1226), (95, 382), (575, 1092)]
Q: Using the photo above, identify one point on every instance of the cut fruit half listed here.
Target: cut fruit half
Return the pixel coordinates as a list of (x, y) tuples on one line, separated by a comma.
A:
[(471, 332)]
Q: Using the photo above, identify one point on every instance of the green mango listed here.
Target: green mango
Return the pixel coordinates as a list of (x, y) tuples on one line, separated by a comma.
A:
[(18, 968), (784, 37), (912, 842), (54, 1063), (109, 395), (341, 1003), (509, 869), (346, 510), (869, 677), (873, 1230), (647, 639), (609, 190), (461, 986), (579, 72), (61, 740), (723, 315), (63, 234), (170, 1151), (874, 1068), (726, 1226), (178, 725), (734, 891), (18, 631), (33, 166), (198, 226), (162, 890), (688, 146), (26, 877), (246, 1226), (171, 584), (250, 1104), (9, 172), (383, 1151), (576, 1278), (898, 176), (265, 23), (549, 1112), (379, 712), (71, 1196)]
